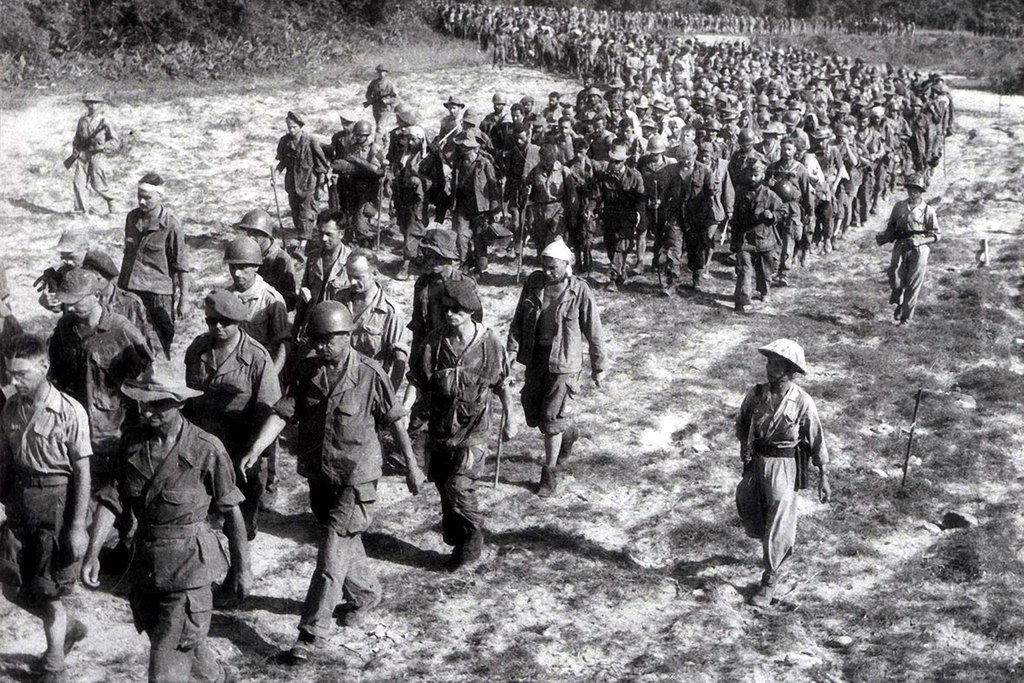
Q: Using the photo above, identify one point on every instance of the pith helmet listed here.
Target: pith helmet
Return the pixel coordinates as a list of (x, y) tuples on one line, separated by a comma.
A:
[(256, 220), (330, 317), (788, 350), (243, 251)]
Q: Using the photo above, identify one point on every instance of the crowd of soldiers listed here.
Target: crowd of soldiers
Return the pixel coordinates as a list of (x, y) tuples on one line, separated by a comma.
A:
[(479, 22), (682, 148)]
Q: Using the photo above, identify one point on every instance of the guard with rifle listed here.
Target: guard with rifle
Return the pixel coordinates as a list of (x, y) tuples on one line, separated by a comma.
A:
[(912, 227), (94, 136), (780, 434), (454, 373)]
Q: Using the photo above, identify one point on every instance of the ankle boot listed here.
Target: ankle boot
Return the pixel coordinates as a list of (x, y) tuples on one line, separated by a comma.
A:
[(548, 482)]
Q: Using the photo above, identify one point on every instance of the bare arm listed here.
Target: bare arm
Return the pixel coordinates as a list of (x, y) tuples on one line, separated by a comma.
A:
[(268, 433), (238, 544), (77, 538), (413, 473), (102, 523)]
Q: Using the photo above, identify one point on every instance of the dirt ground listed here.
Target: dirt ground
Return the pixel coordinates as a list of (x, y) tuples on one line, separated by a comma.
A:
[(638, 570)]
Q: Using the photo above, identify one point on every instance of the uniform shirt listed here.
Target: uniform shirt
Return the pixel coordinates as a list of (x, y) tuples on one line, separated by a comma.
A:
[(753, 229), (268, 316), (337, 408), (781, 422), (43, 439), (622, 192), (91, 135), (278, 271), (427, 309), (237, 395), (381, 94), (906, 221), (325, 277), (378, 332), (457, 387), (154, 252), (687, 196), (131, 307), (303, 161), (171, 489), (576, 316), (91, 365), (549, 185)]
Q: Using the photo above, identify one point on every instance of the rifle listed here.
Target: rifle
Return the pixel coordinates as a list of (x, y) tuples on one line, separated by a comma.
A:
[(501, 441), (277, 204), (910, 441), (70, 161), (522, 243), (654, 234)]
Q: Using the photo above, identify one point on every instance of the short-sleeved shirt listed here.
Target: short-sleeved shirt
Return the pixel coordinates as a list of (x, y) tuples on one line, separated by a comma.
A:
[(91, 365), (337, 408), (170, 490), (238, 394), (44, 441), (268, 315), (154, 252)]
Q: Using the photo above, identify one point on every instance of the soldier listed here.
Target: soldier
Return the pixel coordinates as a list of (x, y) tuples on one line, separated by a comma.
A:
[(277, 268), (477, 203), (94, 350), (238, 387), (549, 194), (580, 220), (94, 136), (381, 98), (833, 171), (116, 299), (779, 431), (622, 200), (155, 263), (377, 332), (338, 397), (522, 159), (71, 250), (360, 172), (755, 240), (687, 196), (325, 274), (849, 183), (912, 227), (556, 311), (409, 198), (44, 488), (9, 327), (457, 369), (267, 320), (302, 160), (170, 475), (499, 127), (719, 208), (790, 180)]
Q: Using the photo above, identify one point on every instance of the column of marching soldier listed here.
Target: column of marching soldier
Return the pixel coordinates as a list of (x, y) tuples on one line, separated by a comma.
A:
[(777, 152)]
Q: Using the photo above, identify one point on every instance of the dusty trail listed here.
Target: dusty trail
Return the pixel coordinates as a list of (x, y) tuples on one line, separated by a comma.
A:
[(638, 570)]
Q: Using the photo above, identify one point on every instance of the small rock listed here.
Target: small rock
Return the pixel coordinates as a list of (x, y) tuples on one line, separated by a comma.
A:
[(699, 447), (956, 519), (880, 472), (802, 659), (839, 642), (931, 527), (964, 401)]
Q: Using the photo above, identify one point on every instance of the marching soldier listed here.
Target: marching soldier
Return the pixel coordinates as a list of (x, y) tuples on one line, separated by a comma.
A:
[(477, 203), (277, 268), (621, 201), (170, 475), (302, 160), (755, 239), (267, 320)]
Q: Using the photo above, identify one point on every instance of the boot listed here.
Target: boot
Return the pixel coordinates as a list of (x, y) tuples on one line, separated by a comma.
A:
[(548, 482), (403, 272), (569, 437)]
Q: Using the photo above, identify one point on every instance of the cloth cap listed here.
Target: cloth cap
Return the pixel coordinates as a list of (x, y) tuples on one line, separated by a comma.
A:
[(559, 250), (461, 293), (786, 349), (227, 305), (442, 242), (77, 284), (100, 263), (158, 384), (618, 153)]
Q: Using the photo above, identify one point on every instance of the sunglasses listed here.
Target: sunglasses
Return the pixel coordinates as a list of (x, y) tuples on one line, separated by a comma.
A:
[(223, 322)]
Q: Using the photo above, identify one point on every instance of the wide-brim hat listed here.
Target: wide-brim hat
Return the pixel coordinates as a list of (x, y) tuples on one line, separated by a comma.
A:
[(442, 242), (916, 180), (76, 284), (92, 97), (159, 384)]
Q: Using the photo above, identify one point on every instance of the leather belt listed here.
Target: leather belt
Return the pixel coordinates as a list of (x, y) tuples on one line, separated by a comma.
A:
[(775, 451)]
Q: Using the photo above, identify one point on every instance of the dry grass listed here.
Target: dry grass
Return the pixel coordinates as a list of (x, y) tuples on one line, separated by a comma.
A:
[(638, 570)]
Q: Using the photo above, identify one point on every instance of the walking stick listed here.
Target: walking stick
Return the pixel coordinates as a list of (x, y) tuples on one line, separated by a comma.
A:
[(501, 442), (910, 441), (277, 204), (380, 207)]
